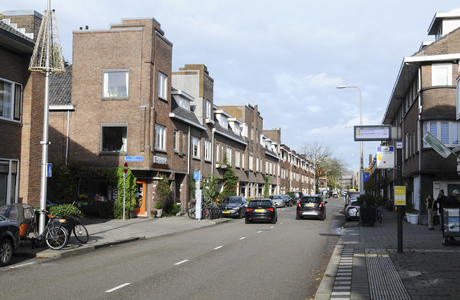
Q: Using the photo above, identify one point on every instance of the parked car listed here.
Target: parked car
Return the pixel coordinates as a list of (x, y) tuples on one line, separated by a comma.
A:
[(352, 210), (261, 210), (350, 195), (311, 206), (233, 206), (287, 200), (296, 197), (9, 240), (278, 200)]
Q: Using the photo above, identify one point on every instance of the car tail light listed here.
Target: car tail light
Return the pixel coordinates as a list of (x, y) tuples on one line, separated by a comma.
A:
[(270, 209), (298, 204), (249, 209), (320, 205)]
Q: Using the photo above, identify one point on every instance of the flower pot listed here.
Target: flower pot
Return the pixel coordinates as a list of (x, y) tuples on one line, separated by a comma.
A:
[(414, 219), (159, 213), (367, 215)]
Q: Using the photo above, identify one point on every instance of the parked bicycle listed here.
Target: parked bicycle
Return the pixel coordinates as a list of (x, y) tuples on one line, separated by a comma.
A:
[(205, 210), (79, 230), (54, 235)]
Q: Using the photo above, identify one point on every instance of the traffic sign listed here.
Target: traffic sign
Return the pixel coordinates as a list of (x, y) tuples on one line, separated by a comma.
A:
[(125, 167)]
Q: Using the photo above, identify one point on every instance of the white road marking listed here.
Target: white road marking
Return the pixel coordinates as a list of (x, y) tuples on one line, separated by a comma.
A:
[(259, 231), (218, 247), (242, 238), (118, 287), (181, 262), (19, 266), (272, 226)]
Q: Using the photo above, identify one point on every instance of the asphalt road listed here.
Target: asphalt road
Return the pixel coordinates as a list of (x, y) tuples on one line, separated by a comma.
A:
[(232, 260)]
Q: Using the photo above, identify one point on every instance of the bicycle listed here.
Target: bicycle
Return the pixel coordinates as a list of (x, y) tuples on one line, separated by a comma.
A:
[(205, 213), (54, 235), (79, 230), (379, 215)]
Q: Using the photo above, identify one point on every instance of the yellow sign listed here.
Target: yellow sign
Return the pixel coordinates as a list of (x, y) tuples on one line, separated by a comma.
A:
[(400, 195)]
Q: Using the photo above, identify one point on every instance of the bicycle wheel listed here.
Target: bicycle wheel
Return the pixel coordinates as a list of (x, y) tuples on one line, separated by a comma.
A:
[(191, 213), (56, 237), (81, 233), (379, 217), (205, 214)]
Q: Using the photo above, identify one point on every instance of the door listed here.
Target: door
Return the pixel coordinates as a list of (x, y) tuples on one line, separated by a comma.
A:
[(140, 198)]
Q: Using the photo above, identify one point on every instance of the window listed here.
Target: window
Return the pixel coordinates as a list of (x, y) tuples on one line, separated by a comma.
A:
[(237, 159), (176, 141), (8, 181), (446, 132), (441, 74), (257, 164), (218, 153), (208, 109), (184, 103), (183, 143), (114, 138), (160, 137), (116, 83), (229, 155), (250, 162), (223, 121), (10, 100), (207, 150), (242, 160), (162, 80), (196, 147)]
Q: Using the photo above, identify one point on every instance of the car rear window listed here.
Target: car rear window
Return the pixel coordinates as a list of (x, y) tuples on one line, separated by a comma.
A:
[(310, 200), (257, 203), (231, 200)]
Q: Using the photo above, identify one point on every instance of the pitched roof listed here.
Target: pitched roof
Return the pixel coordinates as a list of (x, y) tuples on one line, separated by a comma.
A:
[(61, 87), (184, 115)]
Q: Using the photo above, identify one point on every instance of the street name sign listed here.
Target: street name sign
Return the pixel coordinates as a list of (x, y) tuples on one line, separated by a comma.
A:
[(436, 145)]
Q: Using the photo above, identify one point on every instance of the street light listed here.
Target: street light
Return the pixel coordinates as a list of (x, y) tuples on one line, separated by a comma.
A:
[(361, 170)]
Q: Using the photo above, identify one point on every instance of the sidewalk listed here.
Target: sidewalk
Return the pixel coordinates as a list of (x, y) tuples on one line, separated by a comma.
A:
[(366, 265), (111, 232)]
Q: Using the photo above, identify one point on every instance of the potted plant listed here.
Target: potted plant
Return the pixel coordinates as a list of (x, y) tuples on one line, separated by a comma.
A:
[(68, 212), (367, 210), (153, 213), (159, 207)]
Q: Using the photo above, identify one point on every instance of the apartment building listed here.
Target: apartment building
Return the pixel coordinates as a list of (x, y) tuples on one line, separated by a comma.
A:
[(425, 99), (21, 109)]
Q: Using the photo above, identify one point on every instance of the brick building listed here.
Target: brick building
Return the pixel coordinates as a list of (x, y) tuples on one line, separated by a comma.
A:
[(21, 109), (424, 100)]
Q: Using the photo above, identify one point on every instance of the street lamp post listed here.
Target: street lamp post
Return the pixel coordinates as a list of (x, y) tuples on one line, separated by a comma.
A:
[(361, 170)]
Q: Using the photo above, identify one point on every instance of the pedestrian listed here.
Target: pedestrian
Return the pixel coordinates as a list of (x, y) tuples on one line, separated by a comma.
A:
[(432, 208), (441, 200)]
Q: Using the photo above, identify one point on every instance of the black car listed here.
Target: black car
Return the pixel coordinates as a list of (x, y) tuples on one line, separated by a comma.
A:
[(233, 206), (311, 206), (296, 197), (287, 199), (9, 240), (261, 210)]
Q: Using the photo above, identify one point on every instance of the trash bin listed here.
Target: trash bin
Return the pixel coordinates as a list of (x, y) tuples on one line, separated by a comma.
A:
[(451, 218)]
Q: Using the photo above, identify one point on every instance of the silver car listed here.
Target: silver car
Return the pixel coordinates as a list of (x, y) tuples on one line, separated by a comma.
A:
[(278, 201), (352, 210)]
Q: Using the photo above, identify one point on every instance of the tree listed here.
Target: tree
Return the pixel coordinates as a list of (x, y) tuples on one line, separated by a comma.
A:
[(230, 180), (267, 185), (209, 187), (322, 157)]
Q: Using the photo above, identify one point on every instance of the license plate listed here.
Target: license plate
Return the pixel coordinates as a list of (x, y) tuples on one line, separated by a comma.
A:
[(226, 212), (260, 210), (310, 205)]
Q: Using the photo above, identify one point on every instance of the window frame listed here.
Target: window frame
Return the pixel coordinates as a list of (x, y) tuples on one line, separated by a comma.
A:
[(160, 137), (162, 85), (207, 150), (14, 102), (435, 74), (105, 81), (124, 147), (452, 128), (195, 147)]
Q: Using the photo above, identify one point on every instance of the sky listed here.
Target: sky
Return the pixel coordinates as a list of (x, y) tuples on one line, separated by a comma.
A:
[(287, 56)]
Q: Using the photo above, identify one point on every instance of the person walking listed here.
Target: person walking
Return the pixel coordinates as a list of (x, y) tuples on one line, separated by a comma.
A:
[(431, 208), (441, 200)]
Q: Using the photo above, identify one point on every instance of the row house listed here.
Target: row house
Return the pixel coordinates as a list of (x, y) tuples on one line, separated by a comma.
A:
[(120, 101), (21, 109), (424, 99), (297, 173)]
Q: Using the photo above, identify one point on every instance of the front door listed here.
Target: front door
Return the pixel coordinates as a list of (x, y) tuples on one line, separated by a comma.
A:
[(140, 198)]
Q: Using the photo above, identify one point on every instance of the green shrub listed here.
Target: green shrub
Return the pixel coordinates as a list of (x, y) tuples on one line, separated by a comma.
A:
[(366, 200), (158, 205), (118, 210), (66, 211), (172, 209)]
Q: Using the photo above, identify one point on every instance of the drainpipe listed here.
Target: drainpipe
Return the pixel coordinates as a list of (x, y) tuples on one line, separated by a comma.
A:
[(212, 153), (67, 139)]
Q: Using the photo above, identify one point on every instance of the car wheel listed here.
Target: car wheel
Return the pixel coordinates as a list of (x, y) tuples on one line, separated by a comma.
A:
[(240, 215), (274, 221), (6, 252)]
